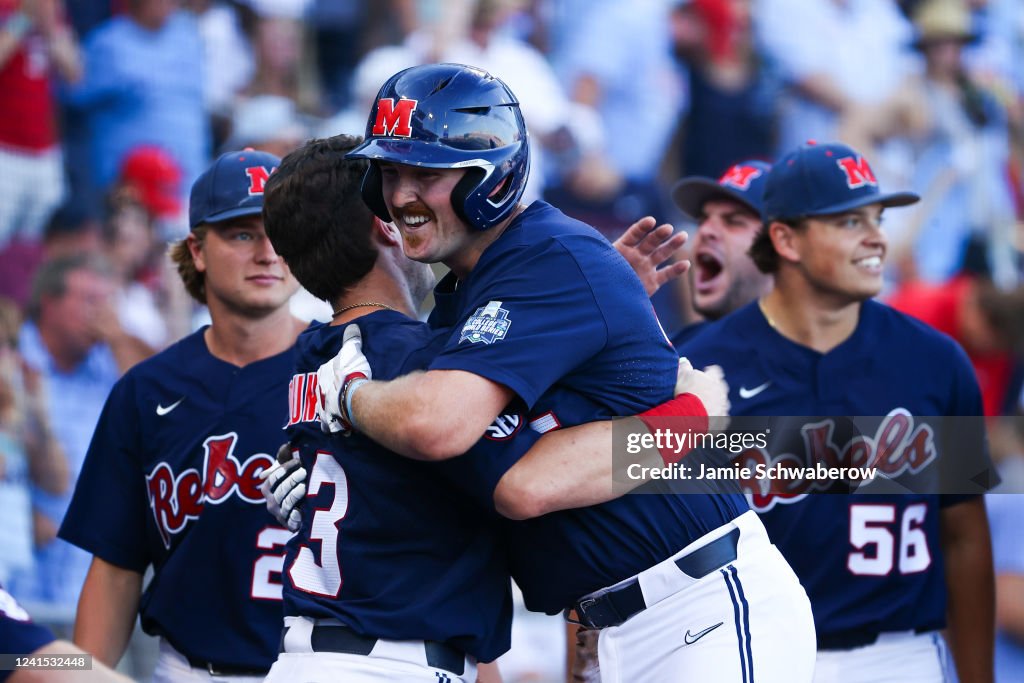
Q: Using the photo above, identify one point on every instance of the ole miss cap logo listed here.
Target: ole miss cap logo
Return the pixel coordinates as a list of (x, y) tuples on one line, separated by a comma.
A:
[(857, 171), (394, 118), (819, 180), (258, 176), (740, 176), (742, 183), (232, 187)]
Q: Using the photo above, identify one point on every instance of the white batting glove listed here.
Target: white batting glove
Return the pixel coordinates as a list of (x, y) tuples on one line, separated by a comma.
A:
[(283, 487), (337, 377), (710, 387)]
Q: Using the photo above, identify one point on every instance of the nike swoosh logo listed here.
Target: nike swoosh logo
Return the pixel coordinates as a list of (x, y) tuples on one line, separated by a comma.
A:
[(161, 411), (751, 393), (692, 638)]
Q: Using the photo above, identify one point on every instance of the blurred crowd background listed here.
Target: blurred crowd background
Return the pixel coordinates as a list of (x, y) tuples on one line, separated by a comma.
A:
[(110, 108)]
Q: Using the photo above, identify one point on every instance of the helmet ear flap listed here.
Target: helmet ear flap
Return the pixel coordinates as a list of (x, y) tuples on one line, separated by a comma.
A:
[(373, 192), (469, 182)]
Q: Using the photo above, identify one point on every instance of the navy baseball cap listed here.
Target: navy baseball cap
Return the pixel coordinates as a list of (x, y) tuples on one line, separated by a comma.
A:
[(742, 183), (231, 187), (819, 180)]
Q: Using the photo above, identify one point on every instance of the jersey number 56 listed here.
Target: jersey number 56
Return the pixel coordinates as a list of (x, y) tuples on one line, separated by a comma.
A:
[(881, 543)]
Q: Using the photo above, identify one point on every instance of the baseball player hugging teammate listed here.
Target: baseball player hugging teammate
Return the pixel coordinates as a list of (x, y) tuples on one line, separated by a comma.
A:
[(539, 312), (374, 524), (423, 454)]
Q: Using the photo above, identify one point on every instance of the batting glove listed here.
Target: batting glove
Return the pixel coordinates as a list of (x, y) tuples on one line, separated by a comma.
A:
[(283, 487), (337, 378), (710, 387)]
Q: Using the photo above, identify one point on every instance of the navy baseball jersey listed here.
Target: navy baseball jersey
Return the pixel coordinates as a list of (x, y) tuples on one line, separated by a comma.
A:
[(18, 635), (387, 546), (553, 312), (870, 563), (687, 333), (171, 480)]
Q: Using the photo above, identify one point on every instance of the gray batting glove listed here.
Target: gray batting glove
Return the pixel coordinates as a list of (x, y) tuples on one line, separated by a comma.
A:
[(710, 387), (283, 487)]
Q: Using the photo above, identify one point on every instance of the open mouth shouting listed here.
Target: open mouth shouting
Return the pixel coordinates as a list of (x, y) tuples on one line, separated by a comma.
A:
[(707, 271)]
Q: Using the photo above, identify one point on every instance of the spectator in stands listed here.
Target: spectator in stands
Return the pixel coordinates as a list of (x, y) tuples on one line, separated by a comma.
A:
[(228, 55), (85, 15), (72, 230), (338, 31), (846, 54), (28, 450), (73, 341), (153, 178), (143, 84), (283, 67), (131, 249), (618, 60), (732, 105), (35, 45), (959, 138), (986, 321), (269, 123)]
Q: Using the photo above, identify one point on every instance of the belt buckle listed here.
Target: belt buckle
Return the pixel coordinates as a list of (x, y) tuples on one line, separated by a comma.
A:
[(581, 610)]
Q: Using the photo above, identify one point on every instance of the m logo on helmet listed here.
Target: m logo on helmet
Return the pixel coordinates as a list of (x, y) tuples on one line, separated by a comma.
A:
[(858, 173), (740, 177), (394, 118), (258, 176)]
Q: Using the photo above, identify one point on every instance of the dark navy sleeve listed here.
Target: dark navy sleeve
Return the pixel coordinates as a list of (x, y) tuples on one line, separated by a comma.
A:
[(18, 635), (966, 403), (530, 323), (477, 472), (107, 515)]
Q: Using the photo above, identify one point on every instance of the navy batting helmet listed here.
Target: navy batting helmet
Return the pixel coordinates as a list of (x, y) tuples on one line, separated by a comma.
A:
[(450, 116)]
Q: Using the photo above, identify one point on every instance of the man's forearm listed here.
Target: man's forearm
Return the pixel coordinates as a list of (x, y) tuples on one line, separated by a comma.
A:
[(587, 465), (571, 468), (106, 610), (432, 415), (970, 587)]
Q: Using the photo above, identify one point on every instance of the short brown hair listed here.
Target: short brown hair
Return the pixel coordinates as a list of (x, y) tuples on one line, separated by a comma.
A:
[(762, 250), (194, 281), (314, 215)]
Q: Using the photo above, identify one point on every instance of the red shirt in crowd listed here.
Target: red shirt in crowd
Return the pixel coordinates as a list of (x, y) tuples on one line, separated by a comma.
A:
[(27, 113), (942, 307)]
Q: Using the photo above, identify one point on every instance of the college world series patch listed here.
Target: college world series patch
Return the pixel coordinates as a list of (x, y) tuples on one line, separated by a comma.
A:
[(488, 325)]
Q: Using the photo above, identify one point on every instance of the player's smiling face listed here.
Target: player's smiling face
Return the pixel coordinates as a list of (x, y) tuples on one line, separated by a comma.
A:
[(723, 276), (420, 203), (242, 271), (844, 253)]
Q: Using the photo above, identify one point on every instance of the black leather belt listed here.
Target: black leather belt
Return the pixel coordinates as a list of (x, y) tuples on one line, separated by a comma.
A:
[(618, 605), (342, 639), (852, 639), (225, 669)]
